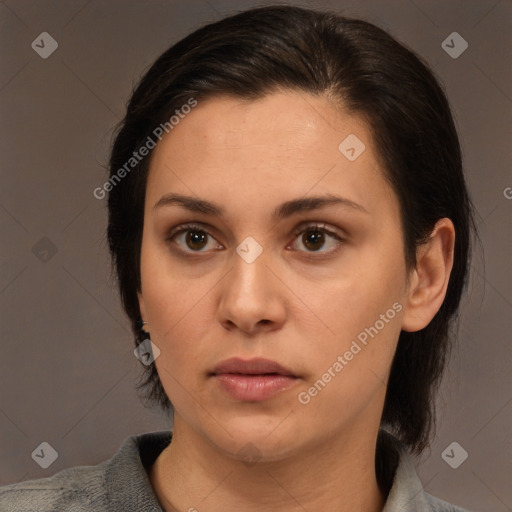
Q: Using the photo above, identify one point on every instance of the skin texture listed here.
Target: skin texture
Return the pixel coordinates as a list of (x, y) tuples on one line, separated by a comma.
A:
[(297, 303)]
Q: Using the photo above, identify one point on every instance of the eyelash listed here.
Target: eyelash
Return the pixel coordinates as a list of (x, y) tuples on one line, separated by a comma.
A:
[(302, 229)]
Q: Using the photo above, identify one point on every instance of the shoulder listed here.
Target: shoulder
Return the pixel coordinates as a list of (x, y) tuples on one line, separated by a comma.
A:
[(118, 484), (438, 505), (406, 491), (72, 489)]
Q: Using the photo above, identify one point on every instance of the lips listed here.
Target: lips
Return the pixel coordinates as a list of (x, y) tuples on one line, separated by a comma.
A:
[(252, 367), (254, 380)]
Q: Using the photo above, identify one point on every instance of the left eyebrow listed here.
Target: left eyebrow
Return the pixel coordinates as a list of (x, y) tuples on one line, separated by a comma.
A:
[(314, 203), (287, 209)]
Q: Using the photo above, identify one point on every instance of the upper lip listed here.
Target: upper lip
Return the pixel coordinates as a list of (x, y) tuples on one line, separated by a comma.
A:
[(257, 366)]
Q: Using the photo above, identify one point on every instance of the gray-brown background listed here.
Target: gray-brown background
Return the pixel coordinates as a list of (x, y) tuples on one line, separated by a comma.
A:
[(67, 370)]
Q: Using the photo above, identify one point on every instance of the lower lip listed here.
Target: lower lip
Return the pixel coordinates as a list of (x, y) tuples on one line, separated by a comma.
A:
[(254, 388)]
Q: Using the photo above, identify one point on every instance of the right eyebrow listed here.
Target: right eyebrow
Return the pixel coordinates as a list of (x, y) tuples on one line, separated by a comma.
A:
[(190, 203)]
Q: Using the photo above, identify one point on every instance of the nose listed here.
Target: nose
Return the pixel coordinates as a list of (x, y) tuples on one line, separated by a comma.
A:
[(252, 297)]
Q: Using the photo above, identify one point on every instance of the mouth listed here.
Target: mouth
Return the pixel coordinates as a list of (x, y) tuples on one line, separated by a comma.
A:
[(254, 380), (257, 366)]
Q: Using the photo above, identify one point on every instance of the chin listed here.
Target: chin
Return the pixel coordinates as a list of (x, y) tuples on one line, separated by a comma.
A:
[(257, 438)]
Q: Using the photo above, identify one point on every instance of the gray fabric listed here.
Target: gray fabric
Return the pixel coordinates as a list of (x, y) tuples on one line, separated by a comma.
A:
[(407, 494), (121, 484)]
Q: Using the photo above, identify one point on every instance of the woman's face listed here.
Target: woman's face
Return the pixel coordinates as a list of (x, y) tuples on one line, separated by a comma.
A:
[(287, 247)]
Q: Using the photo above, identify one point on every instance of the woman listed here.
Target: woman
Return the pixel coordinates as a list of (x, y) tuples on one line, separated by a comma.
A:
[(290, 227)]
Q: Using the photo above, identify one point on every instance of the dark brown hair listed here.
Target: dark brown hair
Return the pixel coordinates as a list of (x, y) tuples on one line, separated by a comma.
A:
[(368, 72)]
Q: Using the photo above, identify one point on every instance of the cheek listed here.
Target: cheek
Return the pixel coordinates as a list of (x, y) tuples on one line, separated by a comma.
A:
[(182, 341), (358, 320), (364, 290), (350, 369), (169, 297), (172, 305)]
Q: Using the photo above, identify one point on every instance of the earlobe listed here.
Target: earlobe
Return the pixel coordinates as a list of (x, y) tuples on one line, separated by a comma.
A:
[(429, 279)]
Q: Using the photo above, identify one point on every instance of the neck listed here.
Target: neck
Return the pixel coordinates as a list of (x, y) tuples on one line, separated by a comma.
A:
[(336, 474)]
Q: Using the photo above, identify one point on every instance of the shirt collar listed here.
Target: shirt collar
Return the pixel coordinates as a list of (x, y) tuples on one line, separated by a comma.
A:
[(138, 453), (406, 492)]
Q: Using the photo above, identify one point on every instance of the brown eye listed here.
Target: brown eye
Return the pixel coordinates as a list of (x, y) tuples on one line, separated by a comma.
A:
[(196, 240), (192, 238), (313, 239), (317, 238)]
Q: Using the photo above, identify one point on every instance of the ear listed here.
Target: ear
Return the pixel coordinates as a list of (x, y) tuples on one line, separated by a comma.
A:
[(429, 280)]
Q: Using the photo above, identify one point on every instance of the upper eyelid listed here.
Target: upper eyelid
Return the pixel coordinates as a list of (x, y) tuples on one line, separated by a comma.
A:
[(189, 227), (322, 226)]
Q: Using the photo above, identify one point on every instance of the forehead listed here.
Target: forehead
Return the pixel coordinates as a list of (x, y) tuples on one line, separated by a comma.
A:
[(286, 120), (284, 143)]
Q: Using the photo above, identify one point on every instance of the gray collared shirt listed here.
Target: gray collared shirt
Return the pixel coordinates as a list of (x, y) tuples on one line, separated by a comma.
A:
[(121, 484)]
